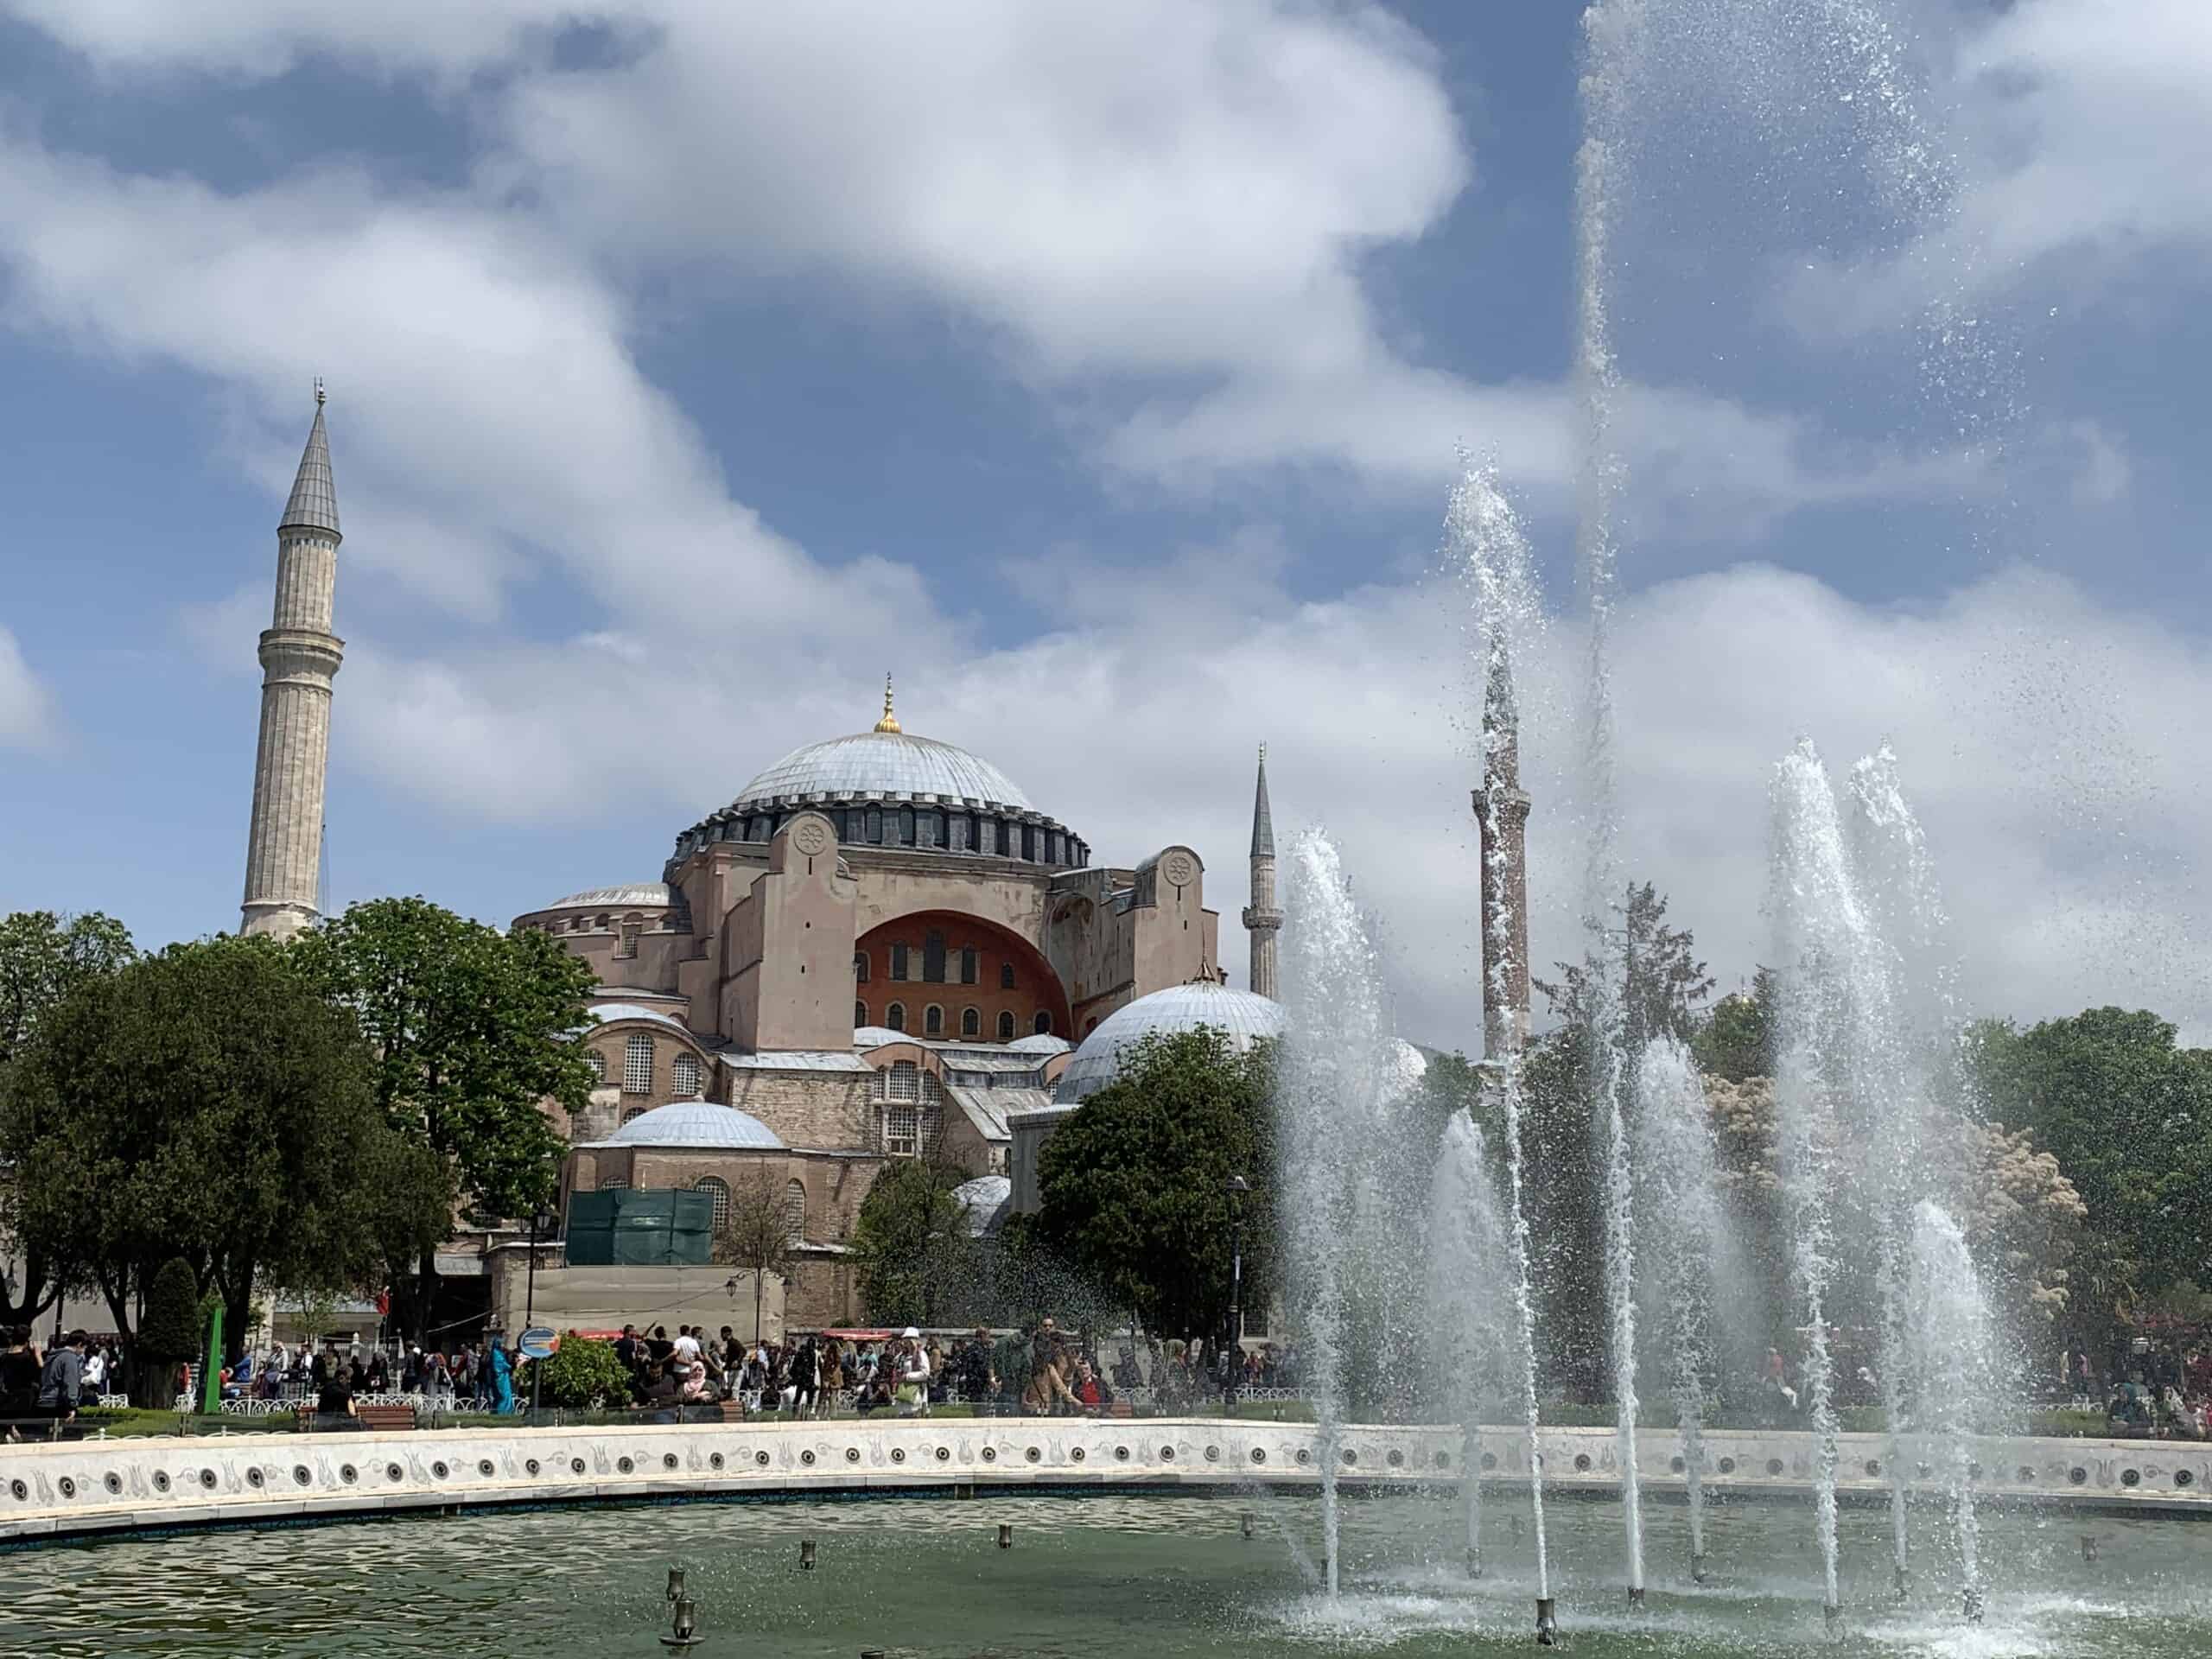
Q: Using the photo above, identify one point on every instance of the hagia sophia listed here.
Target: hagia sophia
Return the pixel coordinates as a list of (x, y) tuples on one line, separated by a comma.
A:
[(881, 947)]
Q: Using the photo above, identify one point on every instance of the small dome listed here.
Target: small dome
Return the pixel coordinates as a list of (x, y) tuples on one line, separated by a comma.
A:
[(1042, 1042), (887, 764), (1244, 1015), (696, 1123), (982, 1202), (636, 895), (877, 1036), (1408, 1065)]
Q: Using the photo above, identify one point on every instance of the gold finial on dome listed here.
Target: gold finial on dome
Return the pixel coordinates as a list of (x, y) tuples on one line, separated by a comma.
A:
[(890, 722)]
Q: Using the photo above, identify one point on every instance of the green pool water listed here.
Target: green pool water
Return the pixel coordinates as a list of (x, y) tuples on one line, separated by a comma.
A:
[(1155, 1577)]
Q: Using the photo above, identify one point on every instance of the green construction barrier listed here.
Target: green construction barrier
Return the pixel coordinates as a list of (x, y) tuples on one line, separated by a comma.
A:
[(641, 1227)]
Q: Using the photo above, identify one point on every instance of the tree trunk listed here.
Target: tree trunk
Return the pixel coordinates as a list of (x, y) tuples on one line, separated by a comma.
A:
[(238, 1308), (426, 1290)]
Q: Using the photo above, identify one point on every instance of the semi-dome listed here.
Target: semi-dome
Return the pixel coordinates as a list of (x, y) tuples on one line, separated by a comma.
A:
[(1244, 1015), (696, 1123)]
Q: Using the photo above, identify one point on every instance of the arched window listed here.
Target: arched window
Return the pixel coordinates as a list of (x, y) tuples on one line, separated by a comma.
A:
[(860, 968), (971, 1022), (1044, 1024), (634, 1114), (895, 1016), (933, 1021), (1005, 1026), (687, 1076), (794, 1212), (597, 1061), (628, 946), (638, 1064), (901, 1085), (1006, 975), (970, 960), (860, 1015), (717, 1189)]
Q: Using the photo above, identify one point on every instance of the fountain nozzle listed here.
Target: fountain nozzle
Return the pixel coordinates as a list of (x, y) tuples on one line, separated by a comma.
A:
[(1635, 1598), (1832, 1616), (1697, 1566), (1901, 1581), (1973, 1603), (2089, 1547), (1547, 1622), (1474, 1563)]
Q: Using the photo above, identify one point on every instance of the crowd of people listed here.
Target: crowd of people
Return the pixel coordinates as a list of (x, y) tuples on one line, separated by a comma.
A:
[(54, 1383)]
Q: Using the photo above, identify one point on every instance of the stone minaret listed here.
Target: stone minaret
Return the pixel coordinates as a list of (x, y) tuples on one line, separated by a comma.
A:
[(1501, 815), (299, 658), (1263, 920)]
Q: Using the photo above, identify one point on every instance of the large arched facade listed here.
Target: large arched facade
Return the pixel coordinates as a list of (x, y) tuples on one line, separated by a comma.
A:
[(977, 975)]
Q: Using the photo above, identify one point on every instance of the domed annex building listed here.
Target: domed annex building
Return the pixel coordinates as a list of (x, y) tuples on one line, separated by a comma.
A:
[(880, 948)]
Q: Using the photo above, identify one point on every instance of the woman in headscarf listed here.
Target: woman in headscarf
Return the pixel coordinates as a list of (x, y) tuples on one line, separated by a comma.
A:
[(501, 1370)]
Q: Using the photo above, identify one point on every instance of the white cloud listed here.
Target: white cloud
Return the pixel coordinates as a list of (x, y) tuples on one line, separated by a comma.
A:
[(26, 706)]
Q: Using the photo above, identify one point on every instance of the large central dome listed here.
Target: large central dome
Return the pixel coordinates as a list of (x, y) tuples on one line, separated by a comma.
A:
[(888, 766), (888, 788)]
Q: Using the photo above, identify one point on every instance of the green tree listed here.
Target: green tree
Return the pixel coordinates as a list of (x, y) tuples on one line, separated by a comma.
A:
[(209, 1103), (1736, 1041), (1135, 1184), (471, 1032), (43, 957), (582, 1373), (910, 1246), (757, 1235), (1663, 982), (169, 1332), (2128, 1113)]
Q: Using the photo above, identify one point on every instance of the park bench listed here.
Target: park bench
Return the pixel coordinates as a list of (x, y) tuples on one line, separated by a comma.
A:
[(732, 1411), (373, 1420)]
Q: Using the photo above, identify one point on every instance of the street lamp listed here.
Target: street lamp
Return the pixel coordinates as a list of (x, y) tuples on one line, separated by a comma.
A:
[(1232, 1355), (538, 1221)]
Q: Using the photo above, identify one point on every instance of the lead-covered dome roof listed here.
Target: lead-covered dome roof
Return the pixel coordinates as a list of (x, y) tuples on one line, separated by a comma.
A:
[(890, 788), (889, 766), (696, 1123), (1246, 1017)]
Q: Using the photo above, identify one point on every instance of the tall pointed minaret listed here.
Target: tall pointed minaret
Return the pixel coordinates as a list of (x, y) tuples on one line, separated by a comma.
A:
[(1262, 921), (1501, 815), (299, 658)]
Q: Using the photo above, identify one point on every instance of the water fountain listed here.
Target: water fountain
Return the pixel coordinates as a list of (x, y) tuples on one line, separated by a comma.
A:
[(1470, 1251), (1697, 1264), (1336, 1065)]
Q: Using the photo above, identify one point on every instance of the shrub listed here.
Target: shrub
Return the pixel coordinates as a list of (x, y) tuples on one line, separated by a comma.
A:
[(171, 1330), (582, 1372)]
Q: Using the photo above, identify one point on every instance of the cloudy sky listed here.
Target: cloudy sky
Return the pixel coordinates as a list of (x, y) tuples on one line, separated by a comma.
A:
[(1101, 372)]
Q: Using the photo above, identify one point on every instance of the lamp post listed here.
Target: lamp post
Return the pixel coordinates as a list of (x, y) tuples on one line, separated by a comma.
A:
[(1232, 1352), (537, 1220)]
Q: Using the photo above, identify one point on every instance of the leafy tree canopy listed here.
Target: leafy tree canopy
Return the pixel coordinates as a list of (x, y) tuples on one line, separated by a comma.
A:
[(2128, 1113), (1135, 1184), (911, 1246), (1736, 1041), (43, 957), (1664, 985), (583, 1372), (470, 1030), (209, 1103)]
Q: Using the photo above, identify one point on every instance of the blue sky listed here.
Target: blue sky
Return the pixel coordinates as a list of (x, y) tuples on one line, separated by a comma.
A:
[(1099, 372)]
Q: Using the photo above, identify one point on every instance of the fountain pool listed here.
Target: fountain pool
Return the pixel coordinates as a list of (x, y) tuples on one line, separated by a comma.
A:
[(1096, 1575)]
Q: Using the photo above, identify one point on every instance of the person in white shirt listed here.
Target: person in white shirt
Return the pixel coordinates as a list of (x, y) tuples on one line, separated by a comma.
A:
[(686, 1346), (913, 1374), (95, 1381)]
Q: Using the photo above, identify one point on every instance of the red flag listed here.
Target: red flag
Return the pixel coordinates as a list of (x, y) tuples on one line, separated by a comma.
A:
[(384, 1303)]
